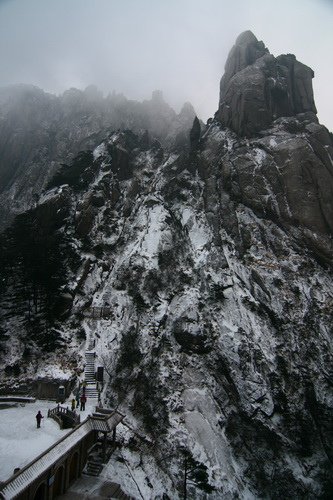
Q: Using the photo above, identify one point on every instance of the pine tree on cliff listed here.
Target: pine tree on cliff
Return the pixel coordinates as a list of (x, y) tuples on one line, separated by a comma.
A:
[(195, 133)]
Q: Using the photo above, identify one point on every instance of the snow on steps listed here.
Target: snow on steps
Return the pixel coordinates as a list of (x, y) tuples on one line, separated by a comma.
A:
[(93, 468), (89, 375)]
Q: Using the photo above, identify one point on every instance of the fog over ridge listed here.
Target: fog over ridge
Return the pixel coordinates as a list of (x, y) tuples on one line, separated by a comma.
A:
[(179, 47)]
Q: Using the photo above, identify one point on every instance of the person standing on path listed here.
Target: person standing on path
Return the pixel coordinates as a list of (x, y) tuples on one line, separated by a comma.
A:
[(39, 417), (77, 398), (83, 400)]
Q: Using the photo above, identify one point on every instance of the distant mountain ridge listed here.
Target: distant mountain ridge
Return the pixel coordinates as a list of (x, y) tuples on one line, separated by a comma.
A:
[(39, 131)]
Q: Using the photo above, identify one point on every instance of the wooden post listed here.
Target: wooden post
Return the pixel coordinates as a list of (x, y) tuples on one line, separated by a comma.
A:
[(104, 447), (185, 478)]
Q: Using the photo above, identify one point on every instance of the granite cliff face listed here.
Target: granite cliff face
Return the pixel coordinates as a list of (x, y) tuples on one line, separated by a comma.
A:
[(214, 262), (284, 168), (257, 87)]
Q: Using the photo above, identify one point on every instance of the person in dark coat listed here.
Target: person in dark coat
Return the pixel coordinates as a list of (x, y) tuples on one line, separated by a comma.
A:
[(83, 400), (39, 417)]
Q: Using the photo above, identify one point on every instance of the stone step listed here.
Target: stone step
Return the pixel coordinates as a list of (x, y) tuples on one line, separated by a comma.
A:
[(93, 469), (117, 493), (94, 464)]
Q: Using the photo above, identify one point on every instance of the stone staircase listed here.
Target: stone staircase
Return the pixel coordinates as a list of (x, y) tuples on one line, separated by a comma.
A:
[(93, 468), (89, 375)]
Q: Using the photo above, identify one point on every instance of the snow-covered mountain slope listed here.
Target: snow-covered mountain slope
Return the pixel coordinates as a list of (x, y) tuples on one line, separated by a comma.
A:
[(40, 131), (210, 269)]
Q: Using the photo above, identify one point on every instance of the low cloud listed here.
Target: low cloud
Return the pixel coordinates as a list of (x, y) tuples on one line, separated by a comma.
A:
[(179, 46)]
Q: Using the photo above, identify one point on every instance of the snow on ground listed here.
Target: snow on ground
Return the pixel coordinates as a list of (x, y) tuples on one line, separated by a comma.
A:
[(259, 155), (20, 440), (197, 230), (99, 151), (55, 372)]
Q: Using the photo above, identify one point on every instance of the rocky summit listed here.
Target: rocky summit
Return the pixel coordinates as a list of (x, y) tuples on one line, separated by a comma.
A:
[(257, 87), (200, 263)]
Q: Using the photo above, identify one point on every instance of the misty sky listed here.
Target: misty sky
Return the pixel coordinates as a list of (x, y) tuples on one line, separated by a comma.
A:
[(178, 46)]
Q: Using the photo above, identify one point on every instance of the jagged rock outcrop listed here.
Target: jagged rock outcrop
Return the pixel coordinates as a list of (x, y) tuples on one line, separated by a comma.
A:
[(257, 88)]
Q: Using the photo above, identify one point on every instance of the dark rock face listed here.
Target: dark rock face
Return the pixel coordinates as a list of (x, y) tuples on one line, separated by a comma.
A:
[(286, 175), (257, 88)]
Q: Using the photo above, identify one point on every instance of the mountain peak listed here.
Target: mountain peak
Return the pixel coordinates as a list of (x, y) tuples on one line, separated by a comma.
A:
[(257, 87), (246, 37), (246, 51)]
